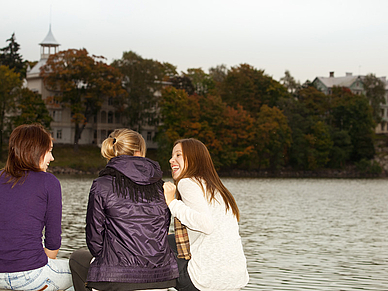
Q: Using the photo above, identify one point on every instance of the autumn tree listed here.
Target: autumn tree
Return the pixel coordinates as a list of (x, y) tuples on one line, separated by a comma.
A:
[(226, 131), (10, 83), (143, 78), (375, 92), (251, 88), (81, 82), (10, 56)]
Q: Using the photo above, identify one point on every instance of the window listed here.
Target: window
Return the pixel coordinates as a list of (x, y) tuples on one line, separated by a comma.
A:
[(382, 126), (110, 101), (103, 117), (118, 117), (149, 136), (59, 134), (382, 112), (57, 115), (110, 117)]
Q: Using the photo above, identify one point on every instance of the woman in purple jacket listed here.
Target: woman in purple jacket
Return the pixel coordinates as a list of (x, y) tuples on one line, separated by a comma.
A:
[(30, 202), (127, 223)]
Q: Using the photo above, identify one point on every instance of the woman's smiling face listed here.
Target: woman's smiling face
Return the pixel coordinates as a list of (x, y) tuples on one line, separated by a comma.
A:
[(177, 162), (48, 157)]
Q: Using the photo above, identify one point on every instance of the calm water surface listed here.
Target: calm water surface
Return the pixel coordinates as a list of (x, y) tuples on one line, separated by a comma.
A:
[(298, 234)]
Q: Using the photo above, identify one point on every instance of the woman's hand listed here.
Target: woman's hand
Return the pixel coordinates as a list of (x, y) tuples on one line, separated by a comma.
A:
[(51, 254), (169, 192)]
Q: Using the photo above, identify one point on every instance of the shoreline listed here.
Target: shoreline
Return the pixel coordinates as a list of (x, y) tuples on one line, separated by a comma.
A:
[(349, 173)]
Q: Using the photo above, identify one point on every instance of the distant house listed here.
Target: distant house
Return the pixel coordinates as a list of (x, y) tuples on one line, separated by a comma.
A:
[(62, 128), (355, 84)]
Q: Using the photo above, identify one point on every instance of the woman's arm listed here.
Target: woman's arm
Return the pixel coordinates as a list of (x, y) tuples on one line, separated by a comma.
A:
[(95, 221), (193, 211), (51, 254)]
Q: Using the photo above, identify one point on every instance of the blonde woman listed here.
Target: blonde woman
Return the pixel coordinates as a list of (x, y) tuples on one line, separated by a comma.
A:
[(127, 222)]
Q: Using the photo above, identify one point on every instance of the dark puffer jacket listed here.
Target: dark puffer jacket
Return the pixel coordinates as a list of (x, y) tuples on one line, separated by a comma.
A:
[(127, 234)]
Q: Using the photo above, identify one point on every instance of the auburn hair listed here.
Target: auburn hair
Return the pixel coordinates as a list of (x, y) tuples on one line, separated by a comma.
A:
[(123, 141), (28, 144), (199, 166)]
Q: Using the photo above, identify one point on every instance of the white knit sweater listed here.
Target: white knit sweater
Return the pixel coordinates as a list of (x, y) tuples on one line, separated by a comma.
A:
[(217, 257)]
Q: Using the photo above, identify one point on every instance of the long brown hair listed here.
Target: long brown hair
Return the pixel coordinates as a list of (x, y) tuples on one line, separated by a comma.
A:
[(199, 166), (28, 144)]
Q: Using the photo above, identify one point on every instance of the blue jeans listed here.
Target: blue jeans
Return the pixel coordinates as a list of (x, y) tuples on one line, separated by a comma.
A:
[(51, 277)]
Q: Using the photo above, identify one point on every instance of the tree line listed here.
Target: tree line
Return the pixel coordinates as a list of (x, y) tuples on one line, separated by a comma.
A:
[(248, 120)]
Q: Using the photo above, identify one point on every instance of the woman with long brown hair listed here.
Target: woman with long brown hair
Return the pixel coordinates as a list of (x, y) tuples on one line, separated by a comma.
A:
[(204, 207), (30, 202)]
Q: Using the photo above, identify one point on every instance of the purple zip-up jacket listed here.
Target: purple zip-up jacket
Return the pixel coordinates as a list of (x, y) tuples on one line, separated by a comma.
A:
[(127, 238)]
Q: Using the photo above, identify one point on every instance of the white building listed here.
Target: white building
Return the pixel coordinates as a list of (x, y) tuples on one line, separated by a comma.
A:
[(62, 128), (355, 84)]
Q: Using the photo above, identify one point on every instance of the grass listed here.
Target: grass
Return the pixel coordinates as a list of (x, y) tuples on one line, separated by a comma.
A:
[(88, 158)]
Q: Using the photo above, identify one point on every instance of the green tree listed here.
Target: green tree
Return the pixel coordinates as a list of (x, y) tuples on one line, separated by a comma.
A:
[(353, 114), (30, 108), (10, 57), (342, 148), (375, 92), (319, 146), (273, 137), (10, 83), (81, 83), (201, 81), (289, 82), (142, 79)]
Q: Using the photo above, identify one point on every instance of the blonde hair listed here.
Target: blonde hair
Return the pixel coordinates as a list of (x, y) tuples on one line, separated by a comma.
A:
[(123, 142)]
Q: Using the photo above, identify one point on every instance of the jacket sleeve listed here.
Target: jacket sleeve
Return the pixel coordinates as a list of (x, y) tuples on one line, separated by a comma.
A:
[(95, 220), (193, 211)]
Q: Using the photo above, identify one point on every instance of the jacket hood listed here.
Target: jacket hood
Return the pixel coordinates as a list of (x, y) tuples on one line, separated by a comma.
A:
[(142, 171)]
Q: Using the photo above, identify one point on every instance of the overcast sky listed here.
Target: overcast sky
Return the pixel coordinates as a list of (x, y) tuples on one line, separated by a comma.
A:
[(307, 37)]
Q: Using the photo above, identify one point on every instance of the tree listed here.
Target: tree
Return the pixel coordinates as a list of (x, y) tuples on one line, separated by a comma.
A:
[(251, 88), (289, 82), (375, 92), (227, 132), (10, 57), (30, 108), (142, 79), (9, 85), (273, 137), (353, 114), (81, 83), (319, 146), (202, 82)]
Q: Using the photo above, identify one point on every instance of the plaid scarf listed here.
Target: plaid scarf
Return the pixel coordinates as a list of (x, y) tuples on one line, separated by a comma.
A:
[(182, 240)]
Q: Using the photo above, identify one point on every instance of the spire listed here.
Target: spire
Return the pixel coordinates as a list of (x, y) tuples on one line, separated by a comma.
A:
[(48, 43), (49, 40)]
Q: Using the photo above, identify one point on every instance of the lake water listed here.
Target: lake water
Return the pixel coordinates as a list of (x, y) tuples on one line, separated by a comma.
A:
[(298, 234)]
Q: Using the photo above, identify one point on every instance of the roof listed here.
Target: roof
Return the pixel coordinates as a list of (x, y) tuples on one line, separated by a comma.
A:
[(346, 81), (36, 69), (49, 39)]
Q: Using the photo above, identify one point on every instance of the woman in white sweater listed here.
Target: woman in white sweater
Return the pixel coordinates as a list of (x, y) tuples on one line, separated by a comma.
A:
[(210, 214)]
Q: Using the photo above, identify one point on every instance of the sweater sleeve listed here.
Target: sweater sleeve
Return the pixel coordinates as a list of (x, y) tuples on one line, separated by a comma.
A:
[(95, 221), (193, 210), (53, 217)]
